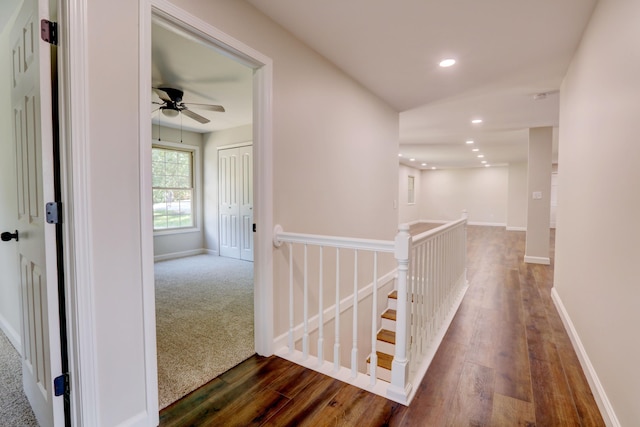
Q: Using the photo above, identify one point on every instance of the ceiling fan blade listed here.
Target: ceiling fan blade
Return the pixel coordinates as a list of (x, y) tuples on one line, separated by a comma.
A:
[(162, 94), (195, 116), (209, 107)]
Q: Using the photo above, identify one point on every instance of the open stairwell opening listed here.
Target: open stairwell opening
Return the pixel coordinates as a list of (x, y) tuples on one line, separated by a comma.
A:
[(376, 331)]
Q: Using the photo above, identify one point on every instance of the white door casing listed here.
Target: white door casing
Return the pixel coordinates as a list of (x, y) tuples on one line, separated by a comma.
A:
[(235, 189), (32, 134)]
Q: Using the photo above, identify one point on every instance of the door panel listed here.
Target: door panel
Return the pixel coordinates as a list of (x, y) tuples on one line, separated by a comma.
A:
[(32, 135), (235, 175), (246, 202), (228, 206)]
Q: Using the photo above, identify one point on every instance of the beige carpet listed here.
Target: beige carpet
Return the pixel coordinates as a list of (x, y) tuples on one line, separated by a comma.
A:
[(14, 406), (204, 318)]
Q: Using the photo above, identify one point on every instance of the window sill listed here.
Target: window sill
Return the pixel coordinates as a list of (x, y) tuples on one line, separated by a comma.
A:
[(171, 231)]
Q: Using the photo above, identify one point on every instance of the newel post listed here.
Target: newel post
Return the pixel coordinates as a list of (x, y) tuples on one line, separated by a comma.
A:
[(400, 386)]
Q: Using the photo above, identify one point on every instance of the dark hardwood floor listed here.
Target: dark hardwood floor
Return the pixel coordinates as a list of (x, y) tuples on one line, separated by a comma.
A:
[(506, 360)]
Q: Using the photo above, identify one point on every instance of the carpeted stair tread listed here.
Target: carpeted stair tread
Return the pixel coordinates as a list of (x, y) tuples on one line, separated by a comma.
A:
[(387, 336), (384, 360)]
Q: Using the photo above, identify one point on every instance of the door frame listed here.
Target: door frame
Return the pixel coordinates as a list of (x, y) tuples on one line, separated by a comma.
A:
[(262, 65)]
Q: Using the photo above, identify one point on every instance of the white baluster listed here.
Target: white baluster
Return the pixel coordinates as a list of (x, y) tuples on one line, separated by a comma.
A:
[(305, 303), (320, 313), (336, 345), (354, 348), (290, 297), (373, 360)]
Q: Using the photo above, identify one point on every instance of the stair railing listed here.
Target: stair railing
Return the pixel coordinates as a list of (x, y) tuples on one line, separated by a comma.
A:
[(430, 279)]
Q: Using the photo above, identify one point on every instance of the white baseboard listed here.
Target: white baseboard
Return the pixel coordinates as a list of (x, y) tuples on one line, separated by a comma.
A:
[(606, 409), (537, 260), (487, 224), (516, 228), (11, 333), (211, 252), (175, 255)]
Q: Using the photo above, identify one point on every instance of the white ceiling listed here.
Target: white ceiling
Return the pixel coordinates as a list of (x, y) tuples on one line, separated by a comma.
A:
[(507, 51), (206, 77)]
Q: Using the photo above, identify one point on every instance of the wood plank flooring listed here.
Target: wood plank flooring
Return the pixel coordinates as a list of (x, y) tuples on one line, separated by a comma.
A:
[(506, 360)]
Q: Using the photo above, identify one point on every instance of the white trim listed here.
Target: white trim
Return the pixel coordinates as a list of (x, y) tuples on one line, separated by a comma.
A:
[(12, 335), (211, 252), (237, 145), (146, 216), (75, 176), (516, 228), (606, 409), (537, 260), (487, 224), (166, 13), (197, 205), (176, 255)]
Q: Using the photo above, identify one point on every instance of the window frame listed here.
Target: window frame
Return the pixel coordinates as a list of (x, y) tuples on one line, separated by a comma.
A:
[(197, 186), (411, 189)]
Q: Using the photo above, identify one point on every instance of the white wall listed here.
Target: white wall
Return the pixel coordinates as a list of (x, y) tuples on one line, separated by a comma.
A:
[(9, 276), (408, 213), (323, 122), (481, 191), (212, 141), (183, 242), (596, 274), (517, 197)]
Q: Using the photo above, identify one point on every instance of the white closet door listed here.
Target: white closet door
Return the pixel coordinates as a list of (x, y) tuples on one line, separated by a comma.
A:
[(235, 181), (246, 202), (228, 163)]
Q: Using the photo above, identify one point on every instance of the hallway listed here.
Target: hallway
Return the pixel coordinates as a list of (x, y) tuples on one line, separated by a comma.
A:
[(506, 360)]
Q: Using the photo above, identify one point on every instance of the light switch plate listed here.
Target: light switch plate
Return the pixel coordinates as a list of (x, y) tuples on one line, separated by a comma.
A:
[(537, 195)]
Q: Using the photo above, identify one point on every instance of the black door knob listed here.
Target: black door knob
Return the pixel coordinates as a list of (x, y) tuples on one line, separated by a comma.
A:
[(7, 235)]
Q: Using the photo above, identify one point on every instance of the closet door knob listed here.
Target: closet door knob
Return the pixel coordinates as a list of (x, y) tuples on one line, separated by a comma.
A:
[(7, 236)]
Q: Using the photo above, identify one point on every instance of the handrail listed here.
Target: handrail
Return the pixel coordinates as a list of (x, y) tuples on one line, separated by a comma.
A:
[(437, 230), (281, 236)]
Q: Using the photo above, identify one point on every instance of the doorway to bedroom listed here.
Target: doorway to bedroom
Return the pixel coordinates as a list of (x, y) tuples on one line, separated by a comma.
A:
[(202, 128)]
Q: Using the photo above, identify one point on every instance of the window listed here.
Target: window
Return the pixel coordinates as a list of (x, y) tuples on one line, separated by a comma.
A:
[(173, 193), (411, 193)]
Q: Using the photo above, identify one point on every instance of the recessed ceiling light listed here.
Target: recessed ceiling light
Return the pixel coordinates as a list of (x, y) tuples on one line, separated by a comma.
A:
[(486, 166), (412, 160), (399, 154), (433, 167), (476, 149), (469, 142), (476, 121), (447, 62), (424, 164), (480, 156), (484, 161)]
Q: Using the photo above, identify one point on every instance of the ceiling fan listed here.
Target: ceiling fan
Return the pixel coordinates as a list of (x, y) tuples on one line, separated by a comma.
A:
[(172, 104)]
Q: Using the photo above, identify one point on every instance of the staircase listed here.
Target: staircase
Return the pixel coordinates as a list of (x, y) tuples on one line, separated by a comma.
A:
[(386, 340)]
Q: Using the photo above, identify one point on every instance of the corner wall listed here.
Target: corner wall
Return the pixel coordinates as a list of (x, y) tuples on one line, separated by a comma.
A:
[(596, 274)]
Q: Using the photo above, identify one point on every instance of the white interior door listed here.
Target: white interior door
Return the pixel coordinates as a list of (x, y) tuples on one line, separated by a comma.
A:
[(32, 134), (245, 187), (235, 175), (228, 163)]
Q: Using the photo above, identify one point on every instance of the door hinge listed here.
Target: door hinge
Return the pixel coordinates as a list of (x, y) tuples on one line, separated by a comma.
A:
[(49, 31), (53, 210), (254, 227), (61, 384)]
